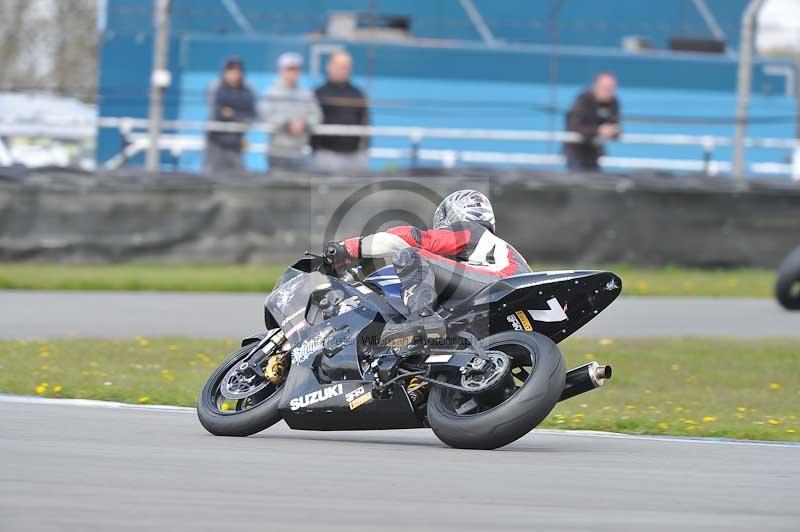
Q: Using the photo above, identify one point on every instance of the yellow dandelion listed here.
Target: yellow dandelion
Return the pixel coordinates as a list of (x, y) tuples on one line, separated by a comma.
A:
[(40, 389), (741, 409), (58, 388), (44, 354), (589, 356), (774, 386), (773, 421), (226, 407), (791, 431), (630, 407), (143, 342), (675, 367), (679, 409), (605, 342), (709, 419), (690, 422), (172, 347), (648, 392), (143, 399), (663, 426), (691, 379)]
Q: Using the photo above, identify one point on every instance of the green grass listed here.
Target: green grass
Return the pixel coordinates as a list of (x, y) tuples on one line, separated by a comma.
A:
[(732, 388), (254, 278), (699, 387), (139, 276)]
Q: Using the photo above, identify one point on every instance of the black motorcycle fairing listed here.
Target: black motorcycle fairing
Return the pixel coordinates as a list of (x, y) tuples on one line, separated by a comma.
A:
[(555, 304), (304, 265), (326, 388)]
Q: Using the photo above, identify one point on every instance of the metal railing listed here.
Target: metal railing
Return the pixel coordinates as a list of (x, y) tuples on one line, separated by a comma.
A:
[(189, 138), (136, 141)]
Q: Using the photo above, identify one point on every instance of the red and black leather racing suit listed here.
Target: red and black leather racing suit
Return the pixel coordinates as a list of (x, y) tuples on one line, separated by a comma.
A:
[(439, 264)]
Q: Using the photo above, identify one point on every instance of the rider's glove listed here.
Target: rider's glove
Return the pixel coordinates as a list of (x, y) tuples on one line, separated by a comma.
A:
[(336, 253)]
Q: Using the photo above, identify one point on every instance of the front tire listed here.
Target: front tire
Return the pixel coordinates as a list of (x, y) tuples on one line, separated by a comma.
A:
[(514, 416), (238, 422), (787, 285)]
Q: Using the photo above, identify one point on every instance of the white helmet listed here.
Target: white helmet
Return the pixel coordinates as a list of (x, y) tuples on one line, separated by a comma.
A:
[(464, 206)]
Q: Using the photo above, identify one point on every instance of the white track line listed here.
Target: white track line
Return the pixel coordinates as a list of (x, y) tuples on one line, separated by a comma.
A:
[(25, 399), (91, 403)]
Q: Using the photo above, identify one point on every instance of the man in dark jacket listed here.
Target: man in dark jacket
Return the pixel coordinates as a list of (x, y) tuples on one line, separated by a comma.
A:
[(344, 104), (595, 115), (229, 100)]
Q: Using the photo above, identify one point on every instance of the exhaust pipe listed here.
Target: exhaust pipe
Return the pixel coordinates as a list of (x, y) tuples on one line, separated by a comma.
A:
[(585, 378)]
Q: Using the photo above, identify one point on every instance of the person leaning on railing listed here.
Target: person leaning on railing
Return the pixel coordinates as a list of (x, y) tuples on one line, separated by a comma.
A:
[(291, 112), (343, 104), (595, 115), (230, 99)]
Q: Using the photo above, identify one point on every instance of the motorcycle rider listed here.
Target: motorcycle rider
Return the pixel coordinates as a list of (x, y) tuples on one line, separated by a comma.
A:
[(460, 255)]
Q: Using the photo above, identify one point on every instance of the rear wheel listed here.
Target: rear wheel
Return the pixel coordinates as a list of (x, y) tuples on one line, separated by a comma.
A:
[(512, 408), (237, 401), (787, 286)]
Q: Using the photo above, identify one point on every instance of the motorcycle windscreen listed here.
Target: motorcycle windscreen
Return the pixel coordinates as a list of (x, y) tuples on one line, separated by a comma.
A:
[(288, 301)]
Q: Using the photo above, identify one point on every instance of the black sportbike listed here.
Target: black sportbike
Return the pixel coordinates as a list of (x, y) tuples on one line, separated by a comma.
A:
[(321, 365), (787, 281)]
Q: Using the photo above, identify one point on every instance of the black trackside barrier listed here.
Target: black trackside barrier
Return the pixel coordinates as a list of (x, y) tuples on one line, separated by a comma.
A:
[(551, 218)]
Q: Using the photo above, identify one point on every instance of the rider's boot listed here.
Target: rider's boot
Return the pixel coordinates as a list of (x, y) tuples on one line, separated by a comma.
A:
[(422, 325), (419, 296)]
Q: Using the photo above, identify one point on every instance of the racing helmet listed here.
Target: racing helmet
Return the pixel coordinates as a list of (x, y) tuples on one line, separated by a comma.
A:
[(464, 206)]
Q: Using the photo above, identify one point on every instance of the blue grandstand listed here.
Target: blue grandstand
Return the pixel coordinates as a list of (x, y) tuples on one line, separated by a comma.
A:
[(520, 71)]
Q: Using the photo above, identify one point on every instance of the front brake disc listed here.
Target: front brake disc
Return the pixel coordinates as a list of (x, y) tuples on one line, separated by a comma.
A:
[(236, 384)]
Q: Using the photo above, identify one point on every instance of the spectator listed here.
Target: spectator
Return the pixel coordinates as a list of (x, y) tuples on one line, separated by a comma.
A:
[(291, 112), (595, 115), (344, 104), (230, 100)]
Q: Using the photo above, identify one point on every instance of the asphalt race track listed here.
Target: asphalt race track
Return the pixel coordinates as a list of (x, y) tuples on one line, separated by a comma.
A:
[(82, 468), (25, 314)]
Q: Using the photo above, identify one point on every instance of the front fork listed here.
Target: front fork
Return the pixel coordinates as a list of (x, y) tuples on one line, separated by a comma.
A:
[(262, 351)]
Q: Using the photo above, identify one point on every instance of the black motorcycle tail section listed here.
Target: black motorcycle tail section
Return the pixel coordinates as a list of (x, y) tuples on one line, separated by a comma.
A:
[(555, 304)]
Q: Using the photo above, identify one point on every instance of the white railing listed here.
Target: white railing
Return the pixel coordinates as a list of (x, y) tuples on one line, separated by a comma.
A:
[(136, 140)]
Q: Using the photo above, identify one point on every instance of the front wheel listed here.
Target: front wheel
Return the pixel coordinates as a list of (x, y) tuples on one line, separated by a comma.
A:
[(236, 401), (509, 410)]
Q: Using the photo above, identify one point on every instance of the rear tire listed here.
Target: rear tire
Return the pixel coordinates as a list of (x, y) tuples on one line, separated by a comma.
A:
[(239, 423), (517, 415), (787, 285)]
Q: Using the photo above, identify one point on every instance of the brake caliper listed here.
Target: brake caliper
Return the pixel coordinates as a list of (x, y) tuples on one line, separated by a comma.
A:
[(276, 367)]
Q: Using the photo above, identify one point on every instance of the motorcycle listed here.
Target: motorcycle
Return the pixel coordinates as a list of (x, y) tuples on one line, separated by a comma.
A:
[(320, 365), (787, 281)]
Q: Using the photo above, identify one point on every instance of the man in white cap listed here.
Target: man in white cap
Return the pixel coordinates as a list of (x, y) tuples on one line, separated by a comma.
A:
[(291, 111)]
